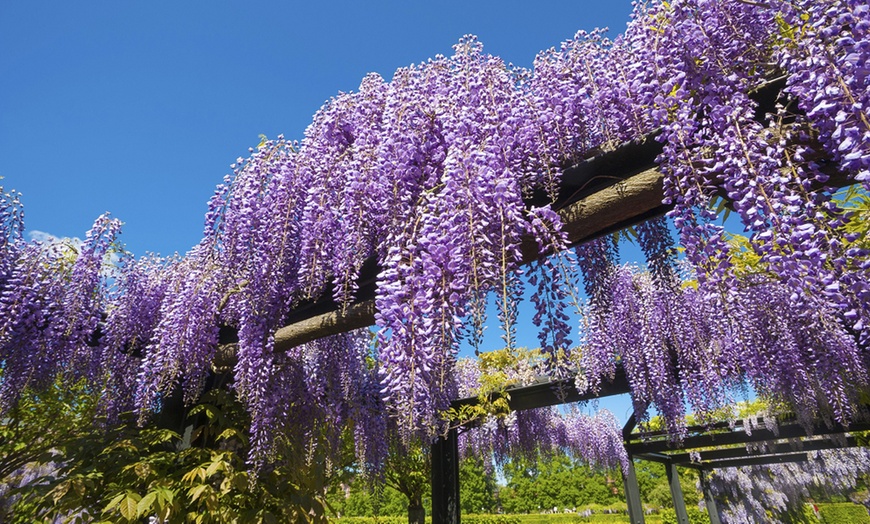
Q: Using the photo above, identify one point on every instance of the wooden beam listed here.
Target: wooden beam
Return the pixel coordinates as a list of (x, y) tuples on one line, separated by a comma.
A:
[(354, 316), (554, 393), (756, 461), (609, 209)]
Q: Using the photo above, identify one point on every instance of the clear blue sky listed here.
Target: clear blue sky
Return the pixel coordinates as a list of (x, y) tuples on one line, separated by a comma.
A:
[(139, 107)]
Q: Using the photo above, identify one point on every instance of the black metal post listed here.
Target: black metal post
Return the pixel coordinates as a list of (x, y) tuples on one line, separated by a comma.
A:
[(632, 494), (445, 479), (712, 507), (677, 493)]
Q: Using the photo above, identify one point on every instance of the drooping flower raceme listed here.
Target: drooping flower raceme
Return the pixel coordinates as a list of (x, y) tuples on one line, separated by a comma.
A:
[(439, 174)]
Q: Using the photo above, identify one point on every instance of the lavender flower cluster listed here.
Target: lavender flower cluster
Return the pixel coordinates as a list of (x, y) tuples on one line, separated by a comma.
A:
[(594, 439), (427, 174), (772, 493), (687, 347)]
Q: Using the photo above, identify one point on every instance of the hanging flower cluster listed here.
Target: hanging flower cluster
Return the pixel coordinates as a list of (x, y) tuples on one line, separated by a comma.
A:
[(51, 305), (427, 175), (686, 347), (595, 439), (775, 492)]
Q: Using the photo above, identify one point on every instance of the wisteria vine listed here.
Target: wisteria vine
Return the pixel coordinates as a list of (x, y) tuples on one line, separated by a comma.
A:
[(428, 174), (776, 492)]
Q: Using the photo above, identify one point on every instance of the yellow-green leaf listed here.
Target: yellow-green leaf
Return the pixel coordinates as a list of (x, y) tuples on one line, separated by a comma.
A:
[(197, 491), (144, 506), (130, 506), (214, 467), (114, 502)]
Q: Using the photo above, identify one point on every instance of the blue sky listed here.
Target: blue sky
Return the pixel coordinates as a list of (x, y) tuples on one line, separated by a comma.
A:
[(138, 108)]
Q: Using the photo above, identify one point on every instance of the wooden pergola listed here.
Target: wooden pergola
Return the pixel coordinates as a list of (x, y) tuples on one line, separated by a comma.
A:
[(600, 195)]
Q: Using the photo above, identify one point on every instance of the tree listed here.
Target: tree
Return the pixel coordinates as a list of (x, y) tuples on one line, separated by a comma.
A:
[(407, 471), (556, 481), (126, 473), (477, 487)]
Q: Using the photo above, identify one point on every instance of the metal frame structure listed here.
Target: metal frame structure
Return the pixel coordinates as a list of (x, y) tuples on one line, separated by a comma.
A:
[(704, 448), (736, 444)]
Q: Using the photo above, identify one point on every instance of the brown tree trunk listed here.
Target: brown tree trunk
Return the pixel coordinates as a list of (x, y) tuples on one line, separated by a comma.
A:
[(416, 513)]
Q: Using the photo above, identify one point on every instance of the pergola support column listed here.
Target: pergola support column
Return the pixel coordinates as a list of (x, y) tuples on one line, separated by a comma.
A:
[(677, 493), (445, 479), (632, 494), (712, 507)]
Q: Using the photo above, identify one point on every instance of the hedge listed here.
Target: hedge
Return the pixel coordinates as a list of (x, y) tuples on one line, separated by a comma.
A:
[(843, 513), (696, 516)]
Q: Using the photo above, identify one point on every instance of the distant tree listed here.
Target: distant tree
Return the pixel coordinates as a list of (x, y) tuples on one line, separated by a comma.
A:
[(407, 471), (556, 481), (477, 487)]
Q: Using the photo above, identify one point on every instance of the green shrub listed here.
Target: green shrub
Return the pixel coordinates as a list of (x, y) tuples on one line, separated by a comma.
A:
[(696, 516), (490, 519), (370, 520), (843, 513)]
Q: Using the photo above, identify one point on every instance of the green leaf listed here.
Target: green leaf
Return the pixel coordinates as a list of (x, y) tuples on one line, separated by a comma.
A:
[(130, 506), (114, 502), (197, 491), (165, 496), (144, 506)]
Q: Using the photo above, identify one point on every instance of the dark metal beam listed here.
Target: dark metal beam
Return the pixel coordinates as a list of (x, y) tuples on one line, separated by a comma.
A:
[(709, 500), (739, 437), (682, 459), (632, 493)]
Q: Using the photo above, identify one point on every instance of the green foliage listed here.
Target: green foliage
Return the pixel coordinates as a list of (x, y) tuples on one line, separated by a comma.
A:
[(126, 474), (490, 519), (843, 513), (407, 471), (654, 488), (476, 488), (371, 520), (556, 481), (499, 370), (571, 518), (696, 516), (31, 431)]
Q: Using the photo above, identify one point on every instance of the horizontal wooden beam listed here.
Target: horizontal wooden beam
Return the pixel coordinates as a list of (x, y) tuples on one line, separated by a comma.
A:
[(623, 203), (768, 455), (354, 316), (756, 461)]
